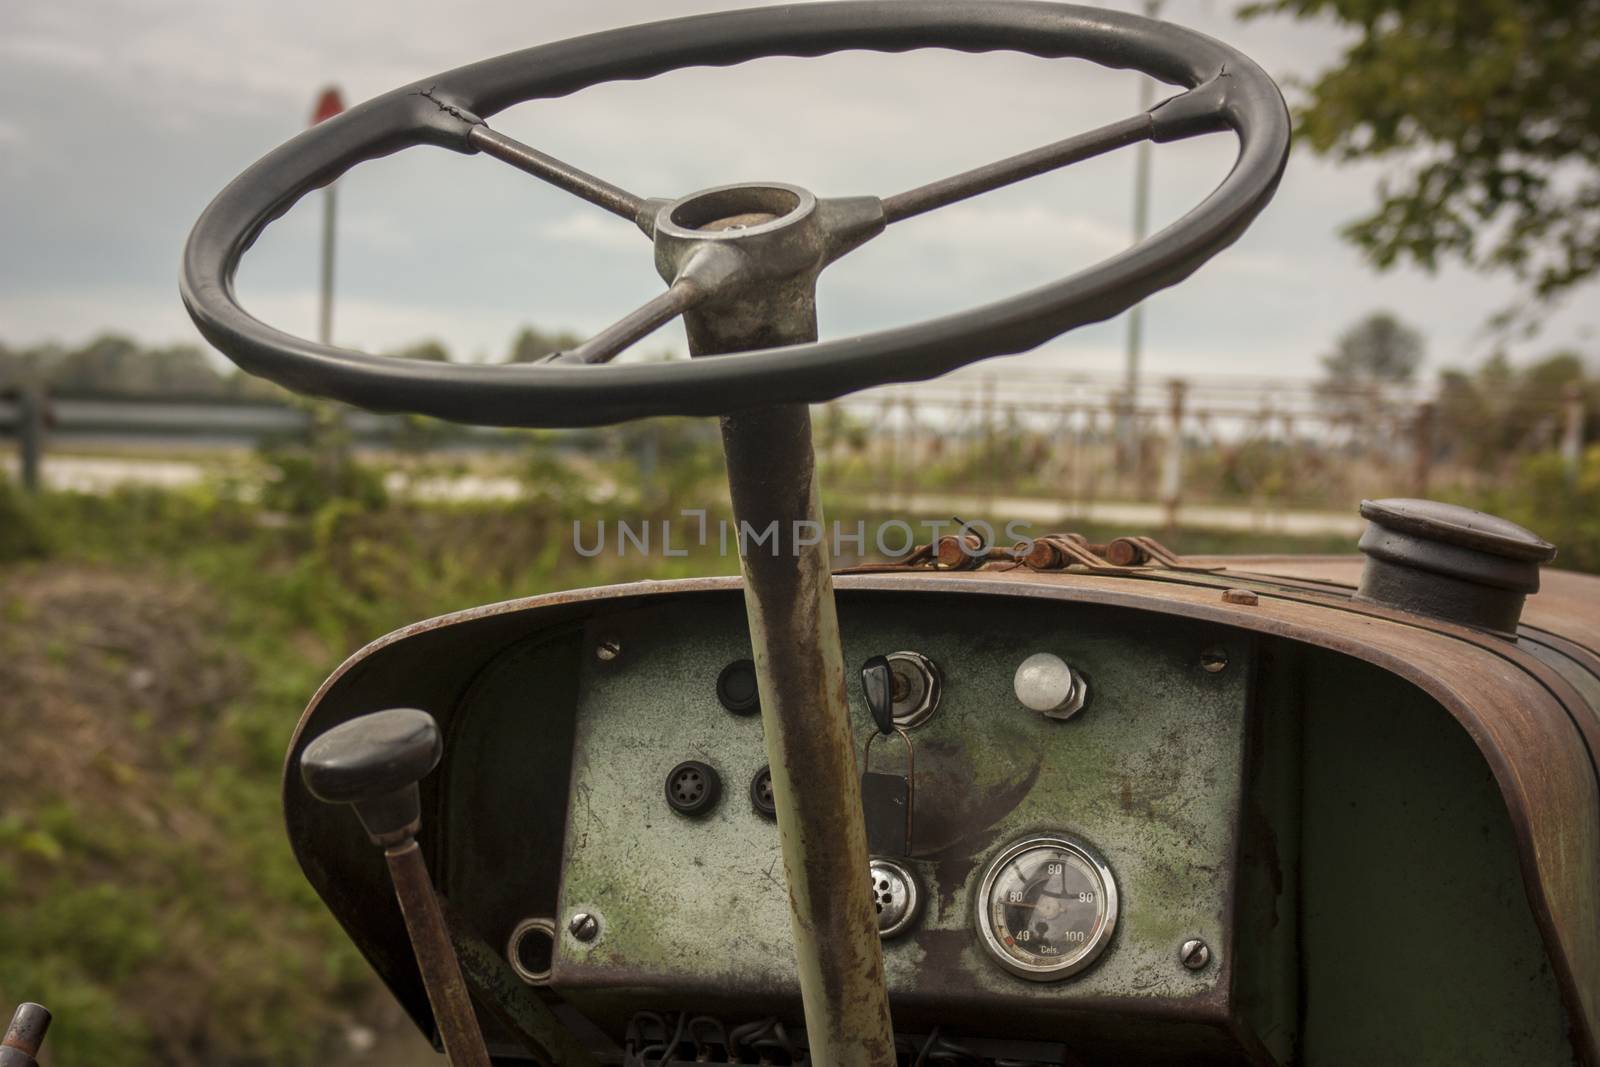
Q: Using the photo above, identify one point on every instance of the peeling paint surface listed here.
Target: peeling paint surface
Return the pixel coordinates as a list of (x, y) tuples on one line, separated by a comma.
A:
[(1150, 773)]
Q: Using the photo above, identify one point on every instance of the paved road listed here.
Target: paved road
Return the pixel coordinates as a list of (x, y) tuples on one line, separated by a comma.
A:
[(102, 474)]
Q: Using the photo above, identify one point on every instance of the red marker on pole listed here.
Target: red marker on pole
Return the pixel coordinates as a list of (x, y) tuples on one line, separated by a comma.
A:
[(329, 104)]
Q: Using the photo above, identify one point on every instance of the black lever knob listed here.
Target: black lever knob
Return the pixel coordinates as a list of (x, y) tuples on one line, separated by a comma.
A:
[(877, 683), (374, 764)]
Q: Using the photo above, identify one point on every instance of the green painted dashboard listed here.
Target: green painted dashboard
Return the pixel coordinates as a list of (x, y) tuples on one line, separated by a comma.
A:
[(1328, 830)]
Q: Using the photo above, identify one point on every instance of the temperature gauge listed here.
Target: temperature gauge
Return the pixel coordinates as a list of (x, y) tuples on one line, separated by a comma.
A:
[(1047, 907)]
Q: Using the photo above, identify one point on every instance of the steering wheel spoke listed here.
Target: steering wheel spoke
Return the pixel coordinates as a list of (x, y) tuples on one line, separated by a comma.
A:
[(1015, 168), (705, 273), (1196, 111), (562, 175)]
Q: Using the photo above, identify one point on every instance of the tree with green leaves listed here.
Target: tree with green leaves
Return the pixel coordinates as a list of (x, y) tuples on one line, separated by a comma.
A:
[(534, 344), (1371, 358), (1489, 111), (1500, 412)]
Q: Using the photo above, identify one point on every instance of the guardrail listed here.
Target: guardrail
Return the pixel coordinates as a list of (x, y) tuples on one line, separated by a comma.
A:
[(35, 418), (1011, 434)]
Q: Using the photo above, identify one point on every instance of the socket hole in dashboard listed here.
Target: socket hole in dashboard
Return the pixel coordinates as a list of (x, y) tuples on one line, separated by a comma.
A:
[(693, 788), (532, 950)]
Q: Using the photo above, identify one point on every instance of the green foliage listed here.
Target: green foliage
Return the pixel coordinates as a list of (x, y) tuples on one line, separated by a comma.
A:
[(1378, 350), (1501, 411), (426, 351), (115, 364), (666, 464), (1489, 111), (1560, 505), (20, 535), (531, 345), (305, 480)]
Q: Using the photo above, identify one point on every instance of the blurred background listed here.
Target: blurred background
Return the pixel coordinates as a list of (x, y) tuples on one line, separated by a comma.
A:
[(185, 552)]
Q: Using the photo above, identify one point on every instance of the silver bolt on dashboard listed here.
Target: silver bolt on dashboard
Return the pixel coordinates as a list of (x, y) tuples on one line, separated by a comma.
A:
[(1194, 954), (607, 650), (1045, 683), (583, 926), (1213, 660)]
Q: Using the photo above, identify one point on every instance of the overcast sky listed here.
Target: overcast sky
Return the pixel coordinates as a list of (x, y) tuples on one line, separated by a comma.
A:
[(125, 116)]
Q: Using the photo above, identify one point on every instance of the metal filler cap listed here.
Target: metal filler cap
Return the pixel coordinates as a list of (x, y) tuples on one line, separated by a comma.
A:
[(1449, 562)]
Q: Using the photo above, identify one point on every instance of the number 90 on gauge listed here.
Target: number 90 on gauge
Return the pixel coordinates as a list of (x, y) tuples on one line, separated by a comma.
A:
[(1047, 907)]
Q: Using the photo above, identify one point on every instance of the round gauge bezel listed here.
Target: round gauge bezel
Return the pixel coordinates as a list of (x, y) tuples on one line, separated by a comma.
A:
[(1108, 892)]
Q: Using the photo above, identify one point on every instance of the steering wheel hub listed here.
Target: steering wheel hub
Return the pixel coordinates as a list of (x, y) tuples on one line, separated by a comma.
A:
[(735, 211)]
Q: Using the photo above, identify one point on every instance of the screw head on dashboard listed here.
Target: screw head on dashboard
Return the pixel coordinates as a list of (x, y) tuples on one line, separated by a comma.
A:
[(584, 927), (1194, 954), (1214, 660), (607, 650)]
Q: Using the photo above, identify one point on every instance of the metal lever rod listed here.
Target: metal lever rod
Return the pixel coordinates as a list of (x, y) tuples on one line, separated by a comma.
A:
[(374, 763), (548, 168), (24, 1036), (794, 627)]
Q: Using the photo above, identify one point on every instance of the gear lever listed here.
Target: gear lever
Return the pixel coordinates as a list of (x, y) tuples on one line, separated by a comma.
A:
[(24, 1036), (374, 763)]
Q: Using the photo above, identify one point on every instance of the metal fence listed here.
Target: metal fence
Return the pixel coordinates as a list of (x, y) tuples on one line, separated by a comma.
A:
[(1267, 445)]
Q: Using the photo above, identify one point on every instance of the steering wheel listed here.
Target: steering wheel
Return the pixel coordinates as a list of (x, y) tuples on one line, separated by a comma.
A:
[(747, 246)]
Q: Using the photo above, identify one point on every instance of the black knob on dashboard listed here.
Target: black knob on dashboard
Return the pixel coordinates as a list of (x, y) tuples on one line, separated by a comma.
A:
[(374, 763), (877, 685)]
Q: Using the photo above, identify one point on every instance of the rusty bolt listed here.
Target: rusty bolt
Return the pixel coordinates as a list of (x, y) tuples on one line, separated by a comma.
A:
[(1245, 597), (1125, 552), (607, 650), (584, 927), (956, 552), (1213, 660), (1043, 556), (1194, 954)]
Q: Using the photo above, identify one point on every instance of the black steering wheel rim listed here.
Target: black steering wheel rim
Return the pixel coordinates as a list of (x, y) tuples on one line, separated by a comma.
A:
[(443, 110)]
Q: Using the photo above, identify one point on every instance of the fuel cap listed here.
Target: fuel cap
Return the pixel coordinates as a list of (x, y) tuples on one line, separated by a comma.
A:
[(1449, 562)]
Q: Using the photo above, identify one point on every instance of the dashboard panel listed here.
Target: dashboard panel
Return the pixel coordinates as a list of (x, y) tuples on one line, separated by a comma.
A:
[(1248, 788), (1147, 776)]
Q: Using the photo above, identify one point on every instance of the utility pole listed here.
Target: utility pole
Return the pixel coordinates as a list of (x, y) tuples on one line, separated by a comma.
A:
[(329, 104), (1141, 227), (1572, 430), (327, 425), (1172, 475)]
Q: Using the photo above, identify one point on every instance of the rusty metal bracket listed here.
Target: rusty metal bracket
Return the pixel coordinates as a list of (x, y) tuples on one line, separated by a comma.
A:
[(1048, 552)]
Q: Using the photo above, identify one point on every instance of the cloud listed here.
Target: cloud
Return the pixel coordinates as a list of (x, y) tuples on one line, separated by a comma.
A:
[(1036, 232), (592, 228), (180, 95), (40, 50)]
